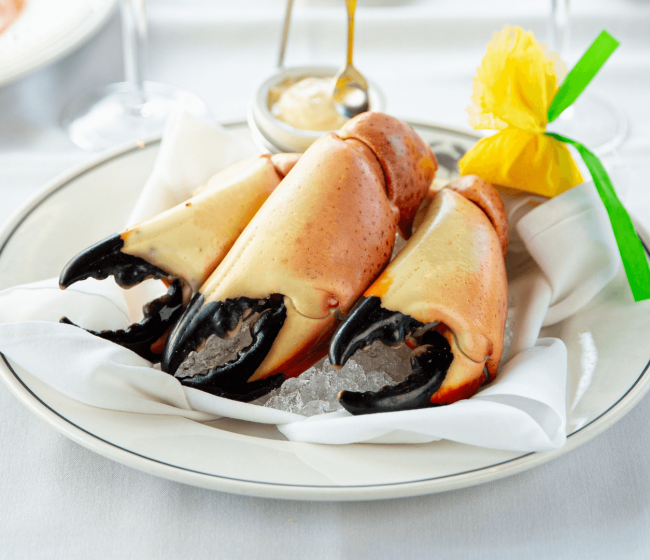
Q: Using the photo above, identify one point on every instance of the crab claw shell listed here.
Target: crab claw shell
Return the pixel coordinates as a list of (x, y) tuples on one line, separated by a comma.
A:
[(481, 193), (283, 163), (191, 239), (464, 376), (230, 380), (147, 338), (301, 343), (430, 368), (321, 238), (485, 196), (107, 258), (186, 242), (407, 160), (251, 170), (452, 271), (367, 323)]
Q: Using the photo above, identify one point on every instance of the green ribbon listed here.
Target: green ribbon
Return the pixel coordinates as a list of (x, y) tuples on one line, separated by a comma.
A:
[(582, 73), (629, 245)]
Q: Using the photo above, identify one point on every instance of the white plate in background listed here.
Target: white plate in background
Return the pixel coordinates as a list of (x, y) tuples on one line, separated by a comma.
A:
[(45, 31), (93, 201)]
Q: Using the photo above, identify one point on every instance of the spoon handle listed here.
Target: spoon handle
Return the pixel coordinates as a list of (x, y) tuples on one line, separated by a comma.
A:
[(285, 33), (351, 6)]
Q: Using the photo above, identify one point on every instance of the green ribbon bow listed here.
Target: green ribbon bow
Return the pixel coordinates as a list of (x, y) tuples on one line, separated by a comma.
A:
[(629, 245)]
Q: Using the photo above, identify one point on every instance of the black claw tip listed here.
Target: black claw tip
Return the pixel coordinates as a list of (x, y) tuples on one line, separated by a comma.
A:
[(369, 322), (430, 364), (105, 259), (200, 320), (230, 380), (144, 338)]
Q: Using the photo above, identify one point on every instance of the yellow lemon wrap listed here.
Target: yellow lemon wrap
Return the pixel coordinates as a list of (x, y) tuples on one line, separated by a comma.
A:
[(513, 89)]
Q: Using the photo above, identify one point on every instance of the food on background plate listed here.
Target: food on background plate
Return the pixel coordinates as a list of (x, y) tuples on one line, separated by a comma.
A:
[(181, 246), (306, 103), (9, 12)]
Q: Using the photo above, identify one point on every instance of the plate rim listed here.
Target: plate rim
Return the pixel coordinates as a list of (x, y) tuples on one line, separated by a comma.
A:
[(211, 481), (39, 57)]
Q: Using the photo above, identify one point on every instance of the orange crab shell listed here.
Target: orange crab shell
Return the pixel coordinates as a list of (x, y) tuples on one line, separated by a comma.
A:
[(452, 270), (407, 160), (326, 233), (187, 240), (486, 197)]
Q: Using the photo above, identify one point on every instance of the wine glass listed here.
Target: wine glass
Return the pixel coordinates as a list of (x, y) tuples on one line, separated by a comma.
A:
[(129, 110), (591, 120)]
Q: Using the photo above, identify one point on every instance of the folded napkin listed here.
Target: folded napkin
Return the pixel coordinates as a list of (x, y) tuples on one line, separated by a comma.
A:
[(191, 152), (523, 409), (569, 255)]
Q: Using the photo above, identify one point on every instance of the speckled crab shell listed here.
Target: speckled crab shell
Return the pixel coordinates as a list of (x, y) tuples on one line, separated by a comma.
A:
[(181, 246), (191, 239), (452, 270), (326, 232)]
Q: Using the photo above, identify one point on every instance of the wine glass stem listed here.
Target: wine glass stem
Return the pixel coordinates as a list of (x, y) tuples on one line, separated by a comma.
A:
[(558, 29), (351, 6), (134, 43)]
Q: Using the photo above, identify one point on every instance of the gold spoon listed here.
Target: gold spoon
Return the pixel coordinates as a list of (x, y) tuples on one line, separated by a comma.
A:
[(350, 88)]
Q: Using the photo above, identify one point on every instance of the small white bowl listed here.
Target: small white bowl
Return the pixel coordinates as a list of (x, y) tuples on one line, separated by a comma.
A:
[(275, 136)]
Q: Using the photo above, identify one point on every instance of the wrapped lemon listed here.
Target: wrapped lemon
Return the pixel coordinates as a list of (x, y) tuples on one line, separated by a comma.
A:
[(516, 93), (513, 91)]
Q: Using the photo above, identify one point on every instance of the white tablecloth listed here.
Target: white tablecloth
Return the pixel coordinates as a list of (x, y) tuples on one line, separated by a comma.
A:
[(59, 500)]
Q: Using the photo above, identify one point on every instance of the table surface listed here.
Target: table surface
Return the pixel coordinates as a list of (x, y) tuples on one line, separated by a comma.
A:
[(60, 500)]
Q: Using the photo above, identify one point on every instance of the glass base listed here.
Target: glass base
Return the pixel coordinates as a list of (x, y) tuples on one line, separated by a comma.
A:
[(594, 122), (114, 114)]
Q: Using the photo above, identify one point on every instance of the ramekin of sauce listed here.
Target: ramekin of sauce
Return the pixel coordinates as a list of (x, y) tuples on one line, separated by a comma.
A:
[(294, 107)]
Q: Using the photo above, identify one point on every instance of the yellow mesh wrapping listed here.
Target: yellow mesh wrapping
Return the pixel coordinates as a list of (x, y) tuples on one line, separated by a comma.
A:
[(522, 160), (512, 92)]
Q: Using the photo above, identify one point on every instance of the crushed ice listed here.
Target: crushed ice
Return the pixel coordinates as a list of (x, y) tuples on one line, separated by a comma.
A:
[(314, 391), (216, 352), (508, 336)]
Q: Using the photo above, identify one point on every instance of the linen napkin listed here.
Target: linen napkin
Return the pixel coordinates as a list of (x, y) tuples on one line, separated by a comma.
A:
[(190, 153), (523, 409), (569, 255)]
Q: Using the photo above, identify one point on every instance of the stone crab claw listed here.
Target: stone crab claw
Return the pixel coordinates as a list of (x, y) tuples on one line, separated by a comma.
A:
[(316, 244), (180, 246), (445, 295)]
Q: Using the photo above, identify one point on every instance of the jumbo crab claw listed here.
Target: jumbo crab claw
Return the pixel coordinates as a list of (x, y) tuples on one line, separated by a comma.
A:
[(317, 243), (180, 246), (445, 295)]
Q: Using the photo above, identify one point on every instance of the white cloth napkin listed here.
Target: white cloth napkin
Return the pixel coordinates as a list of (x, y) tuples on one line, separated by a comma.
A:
[(586, 258), (191, 152), (523, 410), (574, 256)]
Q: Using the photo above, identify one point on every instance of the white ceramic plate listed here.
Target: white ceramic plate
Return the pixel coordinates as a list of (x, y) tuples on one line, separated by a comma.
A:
[(94, 201), (45, 31)]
